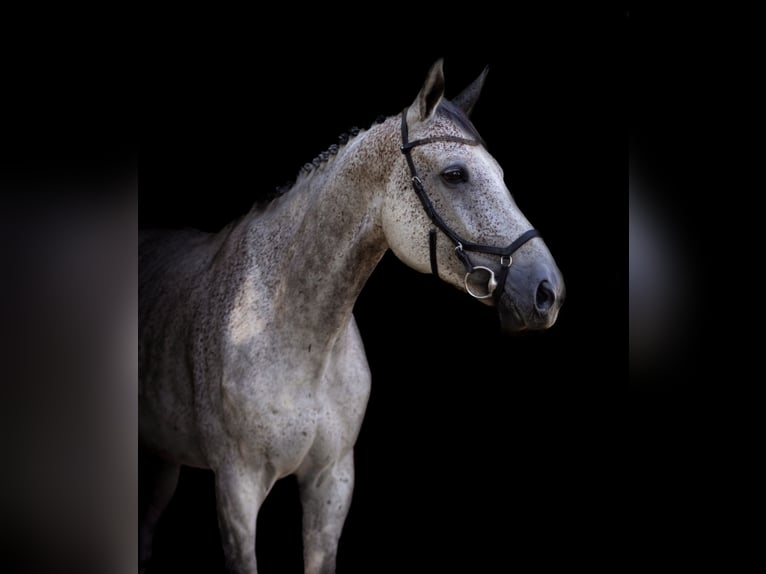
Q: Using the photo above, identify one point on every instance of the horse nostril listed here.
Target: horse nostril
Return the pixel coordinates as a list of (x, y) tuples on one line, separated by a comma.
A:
[(545, 296)]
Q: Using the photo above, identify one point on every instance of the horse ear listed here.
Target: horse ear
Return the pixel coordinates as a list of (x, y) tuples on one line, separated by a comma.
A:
[(430, 95), (466, 99)]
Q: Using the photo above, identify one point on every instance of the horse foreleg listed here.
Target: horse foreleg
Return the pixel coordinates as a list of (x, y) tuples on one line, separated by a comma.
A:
[(158, 483), (326, 497), (240, 491)]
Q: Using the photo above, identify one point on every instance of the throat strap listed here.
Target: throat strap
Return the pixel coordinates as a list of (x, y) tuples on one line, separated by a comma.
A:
[(432, 251)]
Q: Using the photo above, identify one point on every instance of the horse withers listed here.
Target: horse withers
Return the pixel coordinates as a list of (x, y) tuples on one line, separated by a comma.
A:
[(250, 362)]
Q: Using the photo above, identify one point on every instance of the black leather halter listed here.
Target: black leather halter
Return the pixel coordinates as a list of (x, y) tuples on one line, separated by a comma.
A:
[(461, 245)]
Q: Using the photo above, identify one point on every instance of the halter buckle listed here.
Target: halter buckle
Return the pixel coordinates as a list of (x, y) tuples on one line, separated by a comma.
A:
[(502, 261)]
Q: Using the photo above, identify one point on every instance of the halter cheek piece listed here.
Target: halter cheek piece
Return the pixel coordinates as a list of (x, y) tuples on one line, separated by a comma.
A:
[(461, 245)]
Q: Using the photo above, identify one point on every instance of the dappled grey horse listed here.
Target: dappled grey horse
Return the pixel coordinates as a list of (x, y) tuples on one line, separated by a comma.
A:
[(250, 361)]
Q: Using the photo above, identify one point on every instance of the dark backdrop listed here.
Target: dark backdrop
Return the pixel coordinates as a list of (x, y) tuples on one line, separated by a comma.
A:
[(478, 450)]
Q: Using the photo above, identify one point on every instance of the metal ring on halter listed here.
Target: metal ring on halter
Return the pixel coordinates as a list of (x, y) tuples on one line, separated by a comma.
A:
[(491, 284), (510, 260)]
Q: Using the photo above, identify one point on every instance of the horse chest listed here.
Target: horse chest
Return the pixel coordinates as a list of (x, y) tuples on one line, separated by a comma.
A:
[(287, 426), (282, 409)]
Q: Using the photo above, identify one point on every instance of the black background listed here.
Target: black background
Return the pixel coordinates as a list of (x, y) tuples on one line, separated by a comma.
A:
[(478, 450)]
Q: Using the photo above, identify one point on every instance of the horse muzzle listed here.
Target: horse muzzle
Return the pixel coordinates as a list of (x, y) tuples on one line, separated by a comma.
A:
[(531, 297)]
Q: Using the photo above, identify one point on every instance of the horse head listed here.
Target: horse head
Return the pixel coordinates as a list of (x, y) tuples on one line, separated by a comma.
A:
[(447, 211)]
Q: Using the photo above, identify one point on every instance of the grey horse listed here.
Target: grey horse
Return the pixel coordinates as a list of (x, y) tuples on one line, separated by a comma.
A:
[(250, 362)]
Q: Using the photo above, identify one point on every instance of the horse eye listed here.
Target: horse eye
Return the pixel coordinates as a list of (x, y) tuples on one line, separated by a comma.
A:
[(454, 175)]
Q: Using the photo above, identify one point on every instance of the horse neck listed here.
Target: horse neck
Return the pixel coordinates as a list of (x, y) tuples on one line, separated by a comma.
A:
[(316, 246)]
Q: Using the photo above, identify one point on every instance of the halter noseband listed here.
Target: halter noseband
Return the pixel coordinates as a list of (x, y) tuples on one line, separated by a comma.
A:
[(461, 245)]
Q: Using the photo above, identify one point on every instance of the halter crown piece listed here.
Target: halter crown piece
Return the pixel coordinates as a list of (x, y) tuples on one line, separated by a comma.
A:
[(461, 245)]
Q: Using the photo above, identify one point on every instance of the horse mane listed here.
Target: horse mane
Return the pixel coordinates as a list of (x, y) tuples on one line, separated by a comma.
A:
[(446, 108), (308, 167)]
